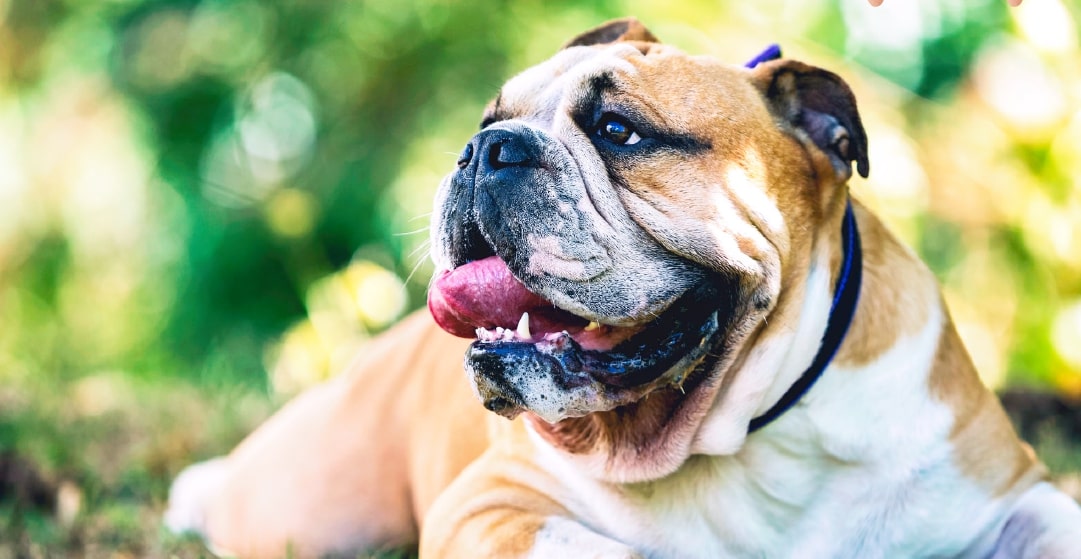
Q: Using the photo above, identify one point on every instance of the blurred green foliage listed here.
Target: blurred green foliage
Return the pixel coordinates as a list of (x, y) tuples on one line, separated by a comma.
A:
[(208, 205)]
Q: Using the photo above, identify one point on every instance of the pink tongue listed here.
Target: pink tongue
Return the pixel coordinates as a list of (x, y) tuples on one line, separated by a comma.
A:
[(482, 293)]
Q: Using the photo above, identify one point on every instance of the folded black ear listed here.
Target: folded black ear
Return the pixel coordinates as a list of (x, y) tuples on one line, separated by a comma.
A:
[(820, 104), (623, 29)]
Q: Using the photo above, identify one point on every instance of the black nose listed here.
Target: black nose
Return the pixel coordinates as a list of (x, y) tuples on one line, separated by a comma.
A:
[(493, 150)]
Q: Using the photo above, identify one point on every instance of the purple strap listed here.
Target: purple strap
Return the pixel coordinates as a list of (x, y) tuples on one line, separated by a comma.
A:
[(772, 52)]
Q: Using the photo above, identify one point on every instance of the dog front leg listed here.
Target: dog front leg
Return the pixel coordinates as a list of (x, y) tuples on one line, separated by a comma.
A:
[(504, 513), (511, 534), (1046, 524)]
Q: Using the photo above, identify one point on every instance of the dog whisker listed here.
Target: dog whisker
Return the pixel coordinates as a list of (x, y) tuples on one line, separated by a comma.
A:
[(407, 233), (416, 267), (425, 245)]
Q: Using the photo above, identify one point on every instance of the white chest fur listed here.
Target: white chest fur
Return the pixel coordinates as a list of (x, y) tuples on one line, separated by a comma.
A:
[(861, 467)]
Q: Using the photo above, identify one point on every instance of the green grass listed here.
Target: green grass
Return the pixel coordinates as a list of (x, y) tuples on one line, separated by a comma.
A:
[(85, 468)]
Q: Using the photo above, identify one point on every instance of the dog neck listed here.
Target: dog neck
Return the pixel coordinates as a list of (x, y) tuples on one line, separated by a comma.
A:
[(779, 354), (846, 293)]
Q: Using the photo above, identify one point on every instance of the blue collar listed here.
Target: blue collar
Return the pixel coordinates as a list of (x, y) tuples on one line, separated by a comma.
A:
[(846, 294), (772, 52)]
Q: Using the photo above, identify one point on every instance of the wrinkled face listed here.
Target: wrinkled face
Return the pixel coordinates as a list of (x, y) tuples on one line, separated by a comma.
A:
[(624, 209)]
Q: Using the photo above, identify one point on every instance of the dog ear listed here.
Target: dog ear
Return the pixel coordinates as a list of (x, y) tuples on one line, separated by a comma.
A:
[(623, 29), (820, 104)]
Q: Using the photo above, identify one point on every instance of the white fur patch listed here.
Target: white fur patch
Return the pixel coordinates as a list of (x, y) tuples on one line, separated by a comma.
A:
[(744, 183), (862, 467), (727, 227), (548, 259)]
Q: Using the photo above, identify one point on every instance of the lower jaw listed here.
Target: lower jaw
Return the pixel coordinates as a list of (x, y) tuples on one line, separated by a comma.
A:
[(665, 387), (556, 379), (644, 440)]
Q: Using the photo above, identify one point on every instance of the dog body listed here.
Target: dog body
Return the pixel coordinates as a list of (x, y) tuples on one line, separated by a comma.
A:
[(902, 455), (671, 229)]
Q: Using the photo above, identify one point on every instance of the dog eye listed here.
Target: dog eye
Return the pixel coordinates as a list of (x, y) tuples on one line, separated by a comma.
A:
[(616, 130)]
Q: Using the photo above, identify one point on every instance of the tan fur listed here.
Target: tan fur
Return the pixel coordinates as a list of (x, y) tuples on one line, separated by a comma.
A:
[(986, 448), (897, 292), (309, 479), (496, 514)]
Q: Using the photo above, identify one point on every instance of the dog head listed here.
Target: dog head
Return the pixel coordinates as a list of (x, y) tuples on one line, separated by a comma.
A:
[(626, 223)]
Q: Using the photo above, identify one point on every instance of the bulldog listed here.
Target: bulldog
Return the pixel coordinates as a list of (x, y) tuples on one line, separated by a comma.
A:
[(686, 337)]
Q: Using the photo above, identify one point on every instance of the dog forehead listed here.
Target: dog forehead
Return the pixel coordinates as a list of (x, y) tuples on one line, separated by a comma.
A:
[(685, 92), (544, 85), (570, 72)]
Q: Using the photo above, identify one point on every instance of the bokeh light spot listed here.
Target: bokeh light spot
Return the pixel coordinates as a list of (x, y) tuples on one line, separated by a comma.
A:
[(1047, 24), (291, 213), (379, 294)]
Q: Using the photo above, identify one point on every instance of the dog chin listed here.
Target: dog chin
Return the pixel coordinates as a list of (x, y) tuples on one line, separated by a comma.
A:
[(530, 355)]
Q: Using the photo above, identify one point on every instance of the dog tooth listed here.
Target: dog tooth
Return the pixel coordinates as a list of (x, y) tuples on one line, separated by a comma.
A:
[(523, 327), (593, 325)]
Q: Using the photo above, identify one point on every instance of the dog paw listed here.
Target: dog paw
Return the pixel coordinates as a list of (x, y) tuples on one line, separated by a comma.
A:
[(189, 494)]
